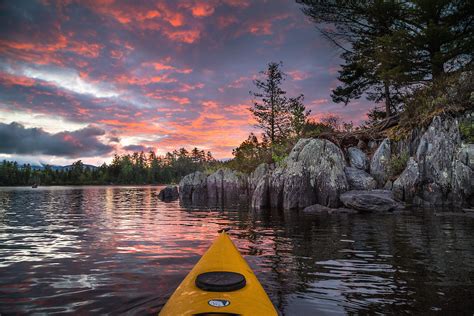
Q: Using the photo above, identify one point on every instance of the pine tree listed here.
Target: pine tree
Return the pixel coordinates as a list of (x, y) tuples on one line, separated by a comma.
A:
[(390, 47), (298, 114), (279, 117), (269, 103)]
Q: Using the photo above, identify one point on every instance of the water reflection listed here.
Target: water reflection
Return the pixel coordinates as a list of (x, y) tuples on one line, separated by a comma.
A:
[(120, 249)]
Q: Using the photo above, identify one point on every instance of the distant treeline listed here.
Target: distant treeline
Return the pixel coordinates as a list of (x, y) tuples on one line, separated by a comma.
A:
[(136, 168)]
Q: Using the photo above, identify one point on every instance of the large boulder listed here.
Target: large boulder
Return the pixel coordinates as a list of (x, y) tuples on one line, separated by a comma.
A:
[(406, 186), (169, 193), (297, 192), (359, 179), (259, 184), (441, 171), (462, 184), (257, 175), (436, 152), (445, 165), (312, 173), (380, 163), (193, 190), (325, 164), (370, 201), (261, 195), (226, 189), (357, 158)]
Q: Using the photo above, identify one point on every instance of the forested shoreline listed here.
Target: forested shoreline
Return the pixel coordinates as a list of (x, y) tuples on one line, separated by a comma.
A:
[(136, 168)]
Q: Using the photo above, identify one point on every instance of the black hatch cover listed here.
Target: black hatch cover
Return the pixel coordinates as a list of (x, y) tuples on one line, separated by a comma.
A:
[(220, 281)]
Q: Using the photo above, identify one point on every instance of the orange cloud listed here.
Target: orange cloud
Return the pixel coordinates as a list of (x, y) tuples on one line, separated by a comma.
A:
[(220, 127), (260, 28), (156, 16), (160, 66), (239, 82), (135, 128), (85, 49), (180, 100), (298, 75), (184, 87), (48, 52), (164, 65), (127, 79), (11, 80), (175, 20), (202, 9), (162, 95), (117, 54), (60, 43), (319, 102), (184, 36)]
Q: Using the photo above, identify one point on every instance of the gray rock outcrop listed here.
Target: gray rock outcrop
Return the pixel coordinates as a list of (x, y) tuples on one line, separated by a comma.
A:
[(370, 201), (193, 190), (257, 175), (466, 155), (440, 173), (404, 188), (380, 163), (357, 158), (259, 187), (169, 194), (359, 179), (226, 189), (312, 173)]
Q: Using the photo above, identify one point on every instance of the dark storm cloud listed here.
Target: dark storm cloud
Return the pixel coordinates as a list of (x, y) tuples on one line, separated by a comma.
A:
[(16, 139)]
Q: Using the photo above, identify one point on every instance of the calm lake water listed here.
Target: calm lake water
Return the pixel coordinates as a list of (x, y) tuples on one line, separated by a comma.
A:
[(89, 250)]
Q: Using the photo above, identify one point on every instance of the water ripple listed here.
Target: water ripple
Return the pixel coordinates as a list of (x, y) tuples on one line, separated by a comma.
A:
[(116, 250)]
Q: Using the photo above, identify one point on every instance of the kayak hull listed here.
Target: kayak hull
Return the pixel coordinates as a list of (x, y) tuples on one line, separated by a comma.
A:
[(251, 299)]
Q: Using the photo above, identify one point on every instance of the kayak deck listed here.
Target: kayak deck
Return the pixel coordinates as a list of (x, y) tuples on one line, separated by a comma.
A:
[(247, 299)]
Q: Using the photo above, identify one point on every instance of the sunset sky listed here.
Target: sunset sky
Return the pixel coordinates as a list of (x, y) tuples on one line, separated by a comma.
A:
[(86, 79)]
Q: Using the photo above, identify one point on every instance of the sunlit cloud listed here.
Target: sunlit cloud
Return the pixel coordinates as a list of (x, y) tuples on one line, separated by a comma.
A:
[(68, 79), (299, 75)]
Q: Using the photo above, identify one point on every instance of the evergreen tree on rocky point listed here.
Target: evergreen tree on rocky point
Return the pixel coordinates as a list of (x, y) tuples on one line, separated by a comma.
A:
[(278, 116)]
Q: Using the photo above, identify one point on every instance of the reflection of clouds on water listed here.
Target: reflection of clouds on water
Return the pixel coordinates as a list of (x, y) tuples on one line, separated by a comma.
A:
[(88, 281), (120, 250), (38, 228), (34, 245)]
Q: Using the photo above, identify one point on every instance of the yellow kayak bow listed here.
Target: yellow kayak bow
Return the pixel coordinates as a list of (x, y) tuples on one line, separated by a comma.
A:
[(221, 283)]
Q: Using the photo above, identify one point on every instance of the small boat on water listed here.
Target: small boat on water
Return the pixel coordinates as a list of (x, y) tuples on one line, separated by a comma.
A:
[(221, 283), (34, 186)]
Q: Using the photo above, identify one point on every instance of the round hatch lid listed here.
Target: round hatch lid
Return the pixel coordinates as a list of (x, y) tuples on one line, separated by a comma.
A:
[(220, 281)]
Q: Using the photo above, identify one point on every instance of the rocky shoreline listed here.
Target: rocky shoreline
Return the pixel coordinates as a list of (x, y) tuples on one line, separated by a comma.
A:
[(318, 174)]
